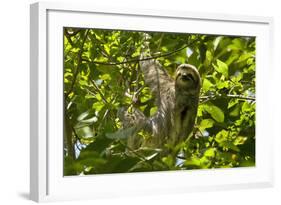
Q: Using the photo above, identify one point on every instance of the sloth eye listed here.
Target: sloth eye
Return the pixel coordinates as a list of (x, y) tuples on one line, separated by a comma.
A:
[(188, 76)]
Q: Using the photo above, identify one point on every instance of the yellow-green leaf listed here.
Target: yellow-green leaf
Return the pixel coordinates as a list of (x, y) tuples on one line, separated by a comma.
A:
[(216, 113), (206, 123), (221, 67)]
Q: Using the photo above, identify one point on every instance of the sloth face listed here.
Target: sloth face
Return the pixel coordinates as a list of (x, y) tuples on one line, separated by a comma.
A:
[(187, 77)]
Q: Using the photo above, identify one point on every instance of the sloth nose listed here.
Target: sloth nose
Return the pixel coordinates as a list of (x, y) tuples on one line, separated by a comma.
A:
[(187, 76)]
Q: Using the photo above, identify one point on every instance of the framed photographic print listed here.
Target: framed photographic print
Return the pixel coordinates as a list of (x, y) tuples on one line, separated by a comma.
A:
[(127, 102)]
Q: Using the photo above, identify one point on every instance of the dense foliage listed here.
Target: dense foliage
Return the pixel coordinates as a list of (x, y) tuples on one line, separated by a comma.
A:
[(102, 75)]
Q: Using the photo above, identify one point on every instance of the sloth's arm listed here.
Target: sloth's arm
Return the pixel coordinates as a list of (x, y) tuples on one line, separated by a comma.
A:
[(155, 76)]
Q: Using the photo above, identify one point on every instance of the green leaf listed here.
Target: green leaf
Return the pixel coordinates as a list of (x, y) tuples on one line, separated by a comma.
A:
[(125, 165), (207, 85), (83, 131), (222, 84), (237, 44), (221, 67), (206, 123), (180, 59), (151, 156), (98, 97), (122, 134), (236, 111), (89, 96), (90, 158), (232, 102), (71, 167), (83, 116), (107, 48), (240, 140), (217, 41), (209, 57), (153, 110), (246, 107), (193, 163), (90, 120), (221, 136), (169, 161), (105, 77), (98, 106), (194, 59), (216, 113), (210, 152), (98, 146)]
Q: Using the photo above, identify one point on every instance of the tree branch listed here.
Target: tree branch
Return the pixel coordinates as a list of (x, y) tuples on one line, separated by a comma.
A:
[(68, 137), (241, 97), (137, 154), (78, 63), (68, 37), (212, 97)]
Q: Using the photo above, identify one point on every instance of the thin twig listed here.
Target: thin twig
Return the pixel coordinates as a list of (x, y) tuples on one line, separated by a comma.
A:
[(137, 154), (98, 90), (138, 59), (213, 97), (180, 157), (241, 97)]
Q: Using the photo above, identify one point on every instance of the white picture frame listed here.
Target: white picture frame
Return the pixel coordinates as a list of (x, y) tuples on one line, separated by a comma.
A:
[(46, 136)]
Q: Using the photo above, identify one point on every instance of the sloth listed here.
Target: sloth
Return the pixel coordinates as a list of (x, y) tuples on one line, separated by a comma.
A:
[(177, 102)]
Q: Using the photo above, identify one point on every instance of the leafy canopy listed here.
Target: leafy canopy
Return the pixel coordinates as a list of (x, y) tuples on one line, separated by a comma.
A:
[(101, 75)]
